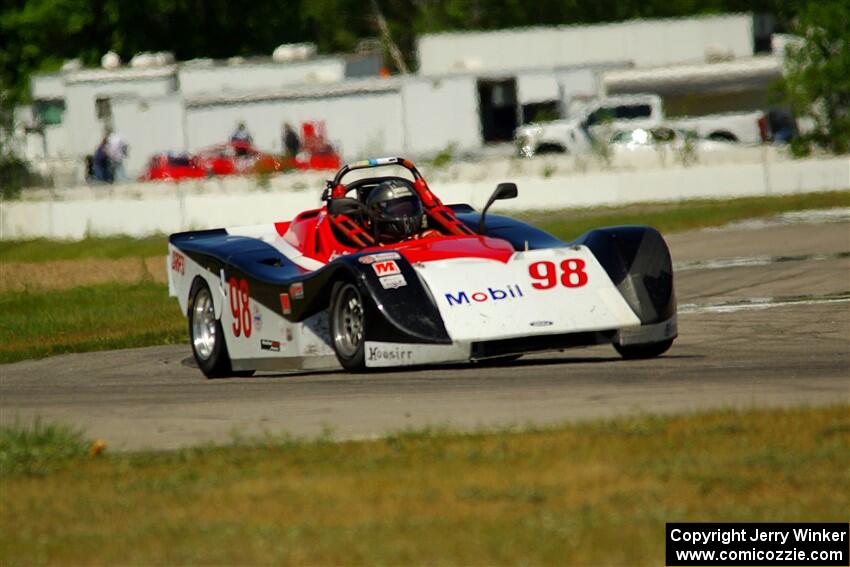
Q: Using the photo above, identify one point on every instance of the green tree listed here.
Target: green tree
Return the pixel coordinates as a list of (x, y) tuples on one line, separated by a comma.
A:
[(15, 173), (817, 76), (38, 35)]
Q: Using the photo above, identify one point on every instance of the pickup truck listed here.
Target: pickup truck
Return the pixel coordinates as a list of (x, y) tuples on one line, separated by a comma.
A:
[(592, 120)]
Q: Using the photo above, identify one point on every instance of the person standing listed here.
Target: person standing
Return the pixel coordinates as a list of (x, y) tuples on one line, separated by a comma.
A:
[(241, 134), (116, 149), (101, 169), (290, 141)]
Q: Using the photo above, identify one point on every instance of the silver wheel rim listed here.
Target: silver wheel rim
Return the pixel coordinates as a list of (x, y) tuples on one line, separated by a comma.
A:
[(348, 321), (203, 324)]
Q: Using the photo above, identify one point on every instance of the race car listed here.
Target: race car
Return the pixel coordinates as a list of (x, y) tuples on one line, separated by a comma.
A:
[(384, 274), (172, 166), (237, 158)]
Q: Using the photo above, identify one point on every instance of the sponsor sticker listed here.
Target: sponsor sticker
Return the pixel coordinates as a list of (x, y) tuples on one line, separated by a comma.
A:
[(402, 191), (296, 290), (267, 344), (397, 354), (285, 303), (393, 282), (178, 262), (380, 257), (508, 292), (257, 317), (386, 268)]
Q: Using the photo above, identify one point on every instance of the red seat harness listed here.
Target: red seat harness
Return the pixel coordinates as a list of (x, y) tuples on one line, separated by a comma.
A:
[(443, 216)]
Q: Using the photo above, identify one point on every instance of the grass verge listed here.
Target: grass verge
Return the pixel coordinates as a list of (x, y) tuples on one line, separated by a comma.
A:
[(565, 223), (112, 248), (39, 449), (43, 323), (595, 493), (683, 215)]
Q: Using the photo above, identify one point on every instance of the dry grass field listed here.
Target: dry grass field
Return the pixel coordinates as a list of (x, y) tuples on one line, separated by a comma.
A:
[(595, 493), (66, 274)]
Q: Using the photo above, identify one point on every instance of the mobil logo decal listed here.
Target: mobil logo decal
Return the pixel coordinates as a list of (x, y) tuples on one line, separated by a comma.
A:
[(387, 268), (509, 292)]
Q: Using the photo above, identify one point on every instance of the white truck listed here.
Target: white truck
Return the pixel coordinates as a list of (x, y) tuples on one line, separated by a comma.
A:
[(598, 119)]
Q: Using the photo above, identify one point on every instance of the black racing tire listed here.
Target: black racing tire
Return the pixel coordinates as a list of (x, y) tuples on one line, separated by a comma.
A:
[(643, 351), (348, 315), (207, 335)]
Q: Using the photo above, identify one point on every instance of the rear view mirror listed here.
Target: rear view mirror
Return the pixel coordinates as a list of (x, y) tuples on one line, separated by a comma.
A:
[(503, 191), (345, 206)]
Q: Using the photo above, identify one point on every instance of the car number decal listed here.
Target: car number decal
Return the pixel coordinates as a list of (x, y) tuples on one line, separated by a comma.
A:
[(546, 273), (239, 299)]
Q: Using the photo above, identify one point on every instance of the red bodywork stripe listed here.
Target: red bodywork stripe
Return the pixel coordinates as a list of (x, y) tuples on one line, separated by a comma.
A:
[(428, 249), (448, 247)]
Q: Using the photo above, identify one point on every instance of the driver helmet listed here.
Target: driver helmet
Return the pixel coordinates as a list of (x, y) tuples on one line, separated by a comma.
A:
[(395, 210)]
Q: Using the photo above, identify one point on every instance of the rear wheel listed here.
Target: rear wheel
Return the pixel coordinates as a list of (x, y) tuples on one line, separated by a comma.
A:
[(348, 326), (207, 335), (649, 350)]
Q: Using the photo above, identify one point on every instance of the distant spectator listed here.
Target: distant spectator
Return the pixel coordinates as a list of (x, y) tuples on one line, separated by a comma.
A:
[(116, 150), (290, 141), (101, 170), (782, 125), (89, 161), (241, 134)]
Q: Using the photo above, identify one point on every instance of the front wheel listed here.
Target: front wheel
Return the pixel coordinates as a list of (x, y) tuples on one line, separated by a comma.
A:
[(639, 351), (348, 326)]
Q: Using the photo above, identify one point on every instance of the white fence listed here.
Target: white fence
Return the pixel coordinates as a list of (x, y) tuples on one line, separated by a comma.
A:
[(143, 209)]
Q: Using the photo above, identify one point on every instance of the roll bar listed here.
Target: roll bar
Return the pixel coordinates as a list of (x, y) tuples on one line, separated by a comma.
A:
[(435, 209), (368, 163)]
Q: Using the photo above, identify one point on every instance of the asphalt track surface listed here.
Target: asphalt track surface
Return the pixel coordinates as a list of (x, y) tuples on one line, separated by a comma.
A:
[(764, 321)]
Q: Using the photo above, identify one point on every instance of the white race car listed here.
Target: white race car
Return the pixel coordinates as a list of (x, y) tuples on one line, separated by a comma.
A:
[(392, 277)]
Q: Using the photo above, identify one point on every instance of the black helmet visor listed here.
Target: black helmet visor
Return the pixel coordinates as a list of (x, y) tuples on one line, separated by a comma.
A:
[(400, 208)]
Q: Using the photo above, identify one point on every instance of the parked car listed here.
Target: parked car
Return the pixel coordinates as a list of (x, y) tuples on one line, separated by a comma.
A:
[(234, 158), (237, 158), (661, 138), (596, 119), (171, 166), (317, 152)]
